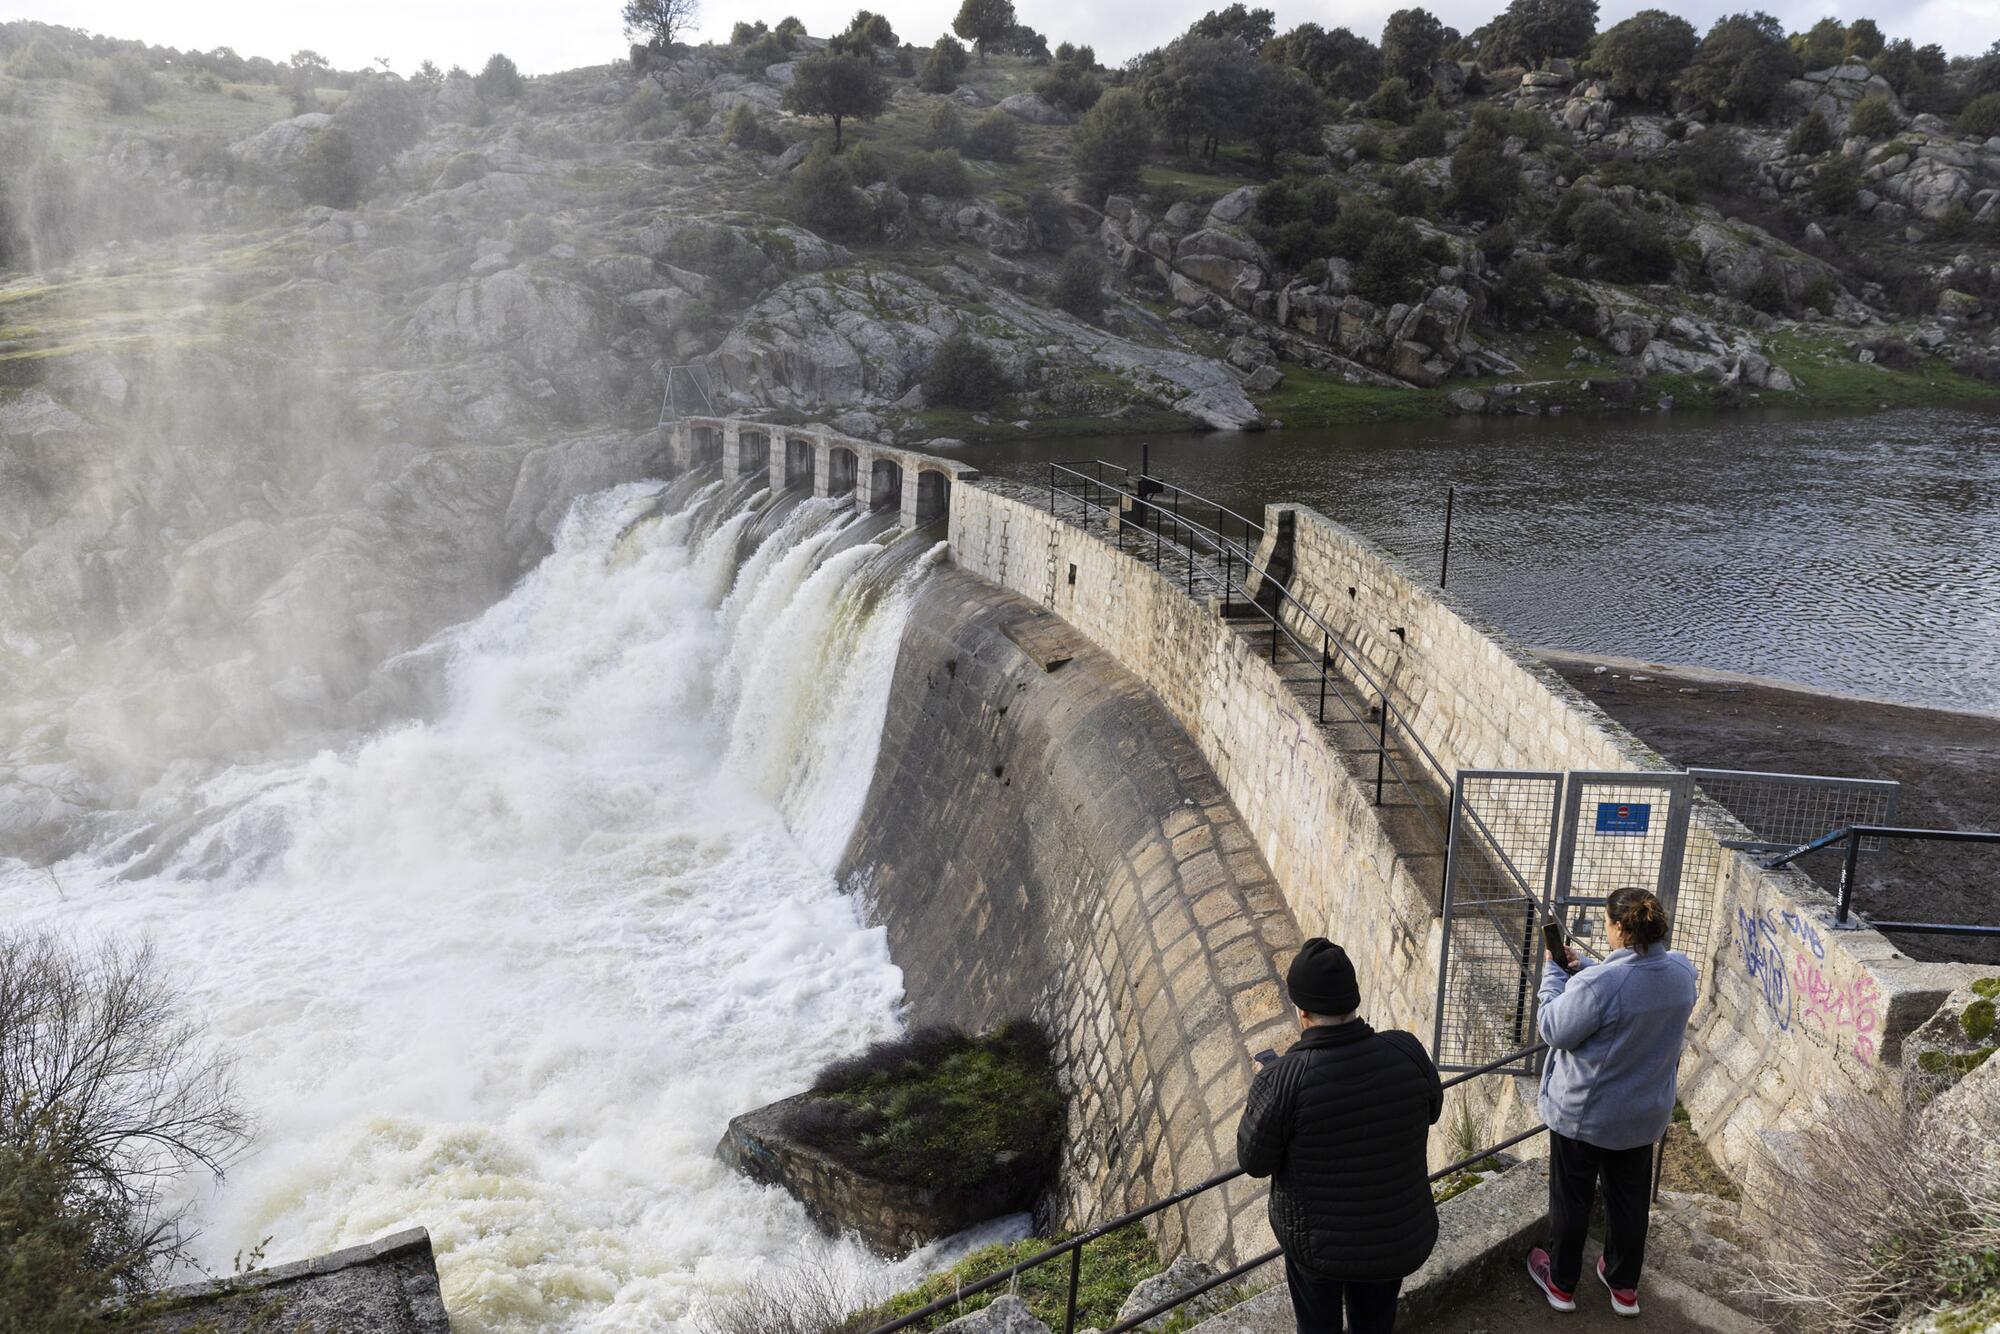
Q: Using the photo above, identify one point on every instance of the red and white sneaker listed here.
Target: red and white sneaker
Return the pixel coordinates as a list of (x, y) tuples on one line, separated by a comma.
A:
[(1624, 1301), (1540, 1270)]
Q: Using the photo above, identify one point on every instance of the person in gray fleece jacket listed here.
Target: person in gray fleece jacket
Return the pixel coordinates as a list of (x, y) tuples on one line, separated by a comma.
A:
[(1615, 1032)]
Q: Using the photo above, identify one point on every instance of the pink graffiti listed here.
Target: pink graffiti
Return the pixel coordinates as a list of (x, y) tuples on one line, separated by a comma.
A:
[(1846, 1010)]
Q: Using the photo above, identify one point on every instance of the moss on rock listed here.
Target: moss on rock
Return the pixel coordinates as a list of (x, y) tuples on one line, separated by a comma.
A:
[(1977, 1020)]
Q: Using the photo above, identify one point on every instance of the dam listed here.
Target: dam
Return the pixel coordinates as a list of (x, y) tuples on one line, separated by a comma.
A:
[(818, 738), (1127, 766)]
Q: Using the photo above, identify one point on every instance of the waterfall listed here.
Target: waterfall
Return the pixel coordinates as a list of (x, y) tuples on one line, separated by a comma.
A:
[(506, 972)]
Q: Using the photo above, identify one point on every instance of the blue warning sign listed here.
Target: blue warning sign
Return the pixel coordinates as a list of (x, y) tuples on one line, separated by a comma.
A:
[(1623, 817)]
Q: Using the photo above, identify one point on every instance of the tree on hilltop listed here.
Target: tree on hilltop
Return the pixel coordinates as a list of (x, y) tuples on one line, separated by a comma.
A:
[(1109, 144), (1339, 63), (500, 81), (660, 22), (1529, 32), (1254, 28), (984, 22), (837, 85), (1642, 56), (1412, 41), (1741, 65)]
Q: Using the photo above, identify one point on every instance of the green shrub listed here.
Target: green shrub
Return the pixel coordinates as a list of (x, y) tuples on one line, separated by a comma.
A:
[(499, 81), (824, 198), (1109, 1268), (127, 85), (1812, 137), (942, 66), (770, 49), (789, 27), (1392, 266), (964, 374), (1079, 285), (1619, 246), (1835, 189), (327, 172), (1517, 297), (939, 172), (1109, 144), (1409, 197), (746, 129), (1359, 223), (1069, 87), (993, 137), (1956, 224), (1642, 56), (40, 59), (745, 33), (1980, 117), (1485, 182), (1715, 157), (945, 128), (1426, 135), (866, 166), (1391, 101), (1873, 119)]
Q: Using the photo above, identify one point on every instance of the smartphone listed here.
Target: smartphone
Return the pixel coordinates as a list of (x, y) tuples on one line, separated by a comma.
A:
[(1266, 1056), (1552, 936)]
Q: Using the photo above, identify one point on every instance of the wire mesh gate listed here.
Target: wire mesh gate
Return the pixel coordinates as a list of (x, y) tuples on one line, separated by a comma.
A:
[(1529, 845)]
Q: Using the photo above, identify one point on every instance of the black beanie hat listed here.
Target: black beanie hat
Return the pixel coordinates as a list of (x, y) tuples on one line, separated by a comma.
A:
[(1321, 979)]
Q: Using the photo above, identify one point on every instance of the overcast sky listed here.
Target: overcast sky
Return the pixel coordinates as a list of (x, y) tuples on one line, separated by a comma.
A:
[(543, 37)]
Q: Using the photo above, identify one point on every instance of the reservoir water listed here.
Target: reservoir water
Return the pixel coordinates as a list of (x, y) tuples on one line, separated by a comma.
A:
[(506, 972), (1860, 554)]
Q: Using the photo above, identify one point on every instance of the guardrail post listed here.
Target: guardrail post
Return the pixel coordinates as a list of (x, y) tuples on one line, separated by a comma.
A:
[(1325, 659), (1847, 872), (1381, 744), (1075, 1269)]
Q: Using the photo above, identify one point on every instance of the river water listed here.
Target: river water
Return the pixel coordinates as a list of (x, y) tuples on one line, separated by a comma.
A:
[(1859, 554), (507, 972)]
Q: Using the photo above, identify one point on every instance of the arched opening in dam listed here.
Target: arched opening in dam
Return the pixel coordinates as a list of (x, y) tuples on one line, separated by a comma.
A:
[(843, 469), (885, 484), (753, 453), (933, 496), (798, 462)]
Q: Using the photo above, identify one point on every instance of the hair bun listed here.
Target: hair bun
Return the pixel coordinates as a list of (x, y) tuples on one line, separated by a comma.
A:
[(1638, 914)]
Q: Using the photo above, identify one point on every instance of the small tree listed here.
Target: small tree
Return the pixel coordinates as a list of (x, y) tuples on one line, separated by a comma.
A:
[(1836, 187), (1284, 113), (1812, 137), (745, 33), (939, 173), (942, 66), (1391, 265), (945, 129), (837, 86), (1741, 65), (983, 22), (1873, 119), (1529, 32), (824, 197), (1981, 116), (1824, 44), (328, 172), (964, 374), (500, 81), (107, 1100), (659, 23), (993, 137), (1079, 286), (1412, 41), (1391, 101), (1641, 57), (1109, 144), (789, 26), (1426, 135)]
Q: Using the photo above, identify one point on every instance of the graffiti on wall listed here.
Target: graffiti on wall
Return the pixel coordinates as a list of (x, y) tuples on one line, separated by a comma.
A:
[(1785, 960)]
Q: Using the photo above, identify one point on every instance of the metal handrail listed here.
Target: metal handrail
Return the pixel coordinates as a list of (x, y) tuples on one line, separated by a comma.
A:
[(1162, 484), (1074, 1246), (1844, 918), (1331, 649)]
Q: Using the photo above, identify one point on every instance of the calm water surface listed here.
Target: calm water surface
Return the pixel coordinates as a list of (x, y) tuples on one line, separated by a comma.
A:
[(1856, 553)]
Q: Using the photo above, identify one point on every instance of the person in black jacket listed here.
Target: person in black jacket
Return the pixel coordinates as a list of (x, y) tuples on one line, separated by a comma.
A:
[(1340, 1124)]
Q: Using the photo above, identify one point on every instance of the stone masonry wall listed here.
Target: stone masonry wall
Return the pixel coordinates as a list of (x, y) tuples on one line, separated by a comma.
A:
[(1041, 838), (1793, 1018)]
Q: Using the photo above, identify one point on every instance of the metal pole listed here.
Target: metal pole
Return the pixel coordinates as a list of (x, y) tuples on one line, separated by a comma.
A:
[(1847, 869), (1444, 558), (1381, 744), (1228, 581), (1324, 659), (1075, 1267)]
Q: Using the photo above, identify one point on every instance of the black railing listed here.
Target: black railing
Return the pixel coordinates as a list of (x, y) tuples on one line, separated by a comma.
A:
[(1852, 835), (1108, 489), (1073, 1248)]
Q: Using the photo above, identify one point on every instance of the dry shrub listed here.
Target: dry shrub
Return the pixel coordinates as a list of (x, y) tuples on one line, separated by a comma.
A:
[(806, 1297), (1877, 1216)]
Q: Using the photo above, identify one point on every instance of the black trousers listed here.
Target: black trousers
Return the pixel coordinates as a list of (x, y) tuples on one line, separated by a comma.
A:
[(1574, 1170), (1316, 1302)]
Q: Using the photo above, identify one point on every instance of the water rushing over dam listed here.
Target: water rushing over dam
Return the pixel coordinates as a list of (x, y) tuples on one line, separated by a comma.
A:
[(508, 970)]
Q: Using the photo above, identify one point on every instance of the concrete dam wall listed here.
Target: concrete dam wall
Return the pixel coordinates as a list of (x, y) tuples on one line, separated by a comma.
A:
[(1042, 838)]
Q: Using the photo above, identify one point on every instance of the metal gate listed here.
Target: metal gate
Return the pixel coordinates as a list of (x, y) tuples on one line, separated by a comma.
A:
[(1526, 846), (1499, 867)]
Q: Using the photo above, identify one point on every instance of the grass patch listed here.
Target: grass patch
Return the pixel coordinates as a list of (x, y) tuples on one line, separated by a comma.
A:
[(1829, 377), (938, 1108), (1112, 1266), (1310, 398)]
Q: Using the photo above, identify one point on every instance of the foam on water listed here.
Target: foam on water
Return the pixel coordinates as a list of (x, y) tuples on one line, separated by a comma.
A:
[(508, 973)]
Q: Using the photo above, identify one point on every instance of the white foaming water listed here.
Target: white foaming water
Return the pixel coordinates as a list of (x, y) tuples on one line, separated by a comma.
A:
[(508, 973)]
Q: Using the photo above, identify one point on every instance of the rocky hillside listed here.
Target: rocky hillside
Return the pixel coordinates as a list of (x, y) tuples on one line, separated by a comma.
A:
[(299, 366)]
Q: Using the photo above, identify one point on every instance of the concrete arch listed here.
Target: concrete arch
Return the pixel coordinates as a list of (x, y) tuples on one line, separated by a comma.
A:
[(885, 483), (707, 441), (753, 453)]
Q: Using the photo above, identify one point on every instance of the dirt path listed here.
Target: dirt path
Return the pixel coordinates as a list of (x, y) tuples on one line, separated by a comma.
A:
[(1948, 764)]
